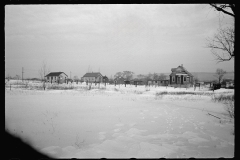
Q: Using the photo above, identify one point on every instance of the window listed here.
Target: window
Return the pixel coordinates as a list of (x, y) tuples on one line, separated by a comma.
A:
[(184, 79), (173, 79)]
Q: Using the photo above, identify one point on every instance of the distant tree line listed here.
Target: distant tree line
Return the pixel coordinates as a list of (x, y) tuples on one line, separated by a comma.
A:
[(128, 75)]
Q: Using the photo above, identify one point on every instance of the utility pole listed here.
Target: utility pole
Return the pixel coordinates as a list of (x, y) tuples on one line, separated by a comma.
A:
[(70, 74), (22, 73)]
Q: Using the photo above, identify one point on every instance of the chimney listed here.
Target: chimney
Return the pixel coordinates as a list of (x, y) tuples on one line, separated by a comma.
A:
[(182, 65)]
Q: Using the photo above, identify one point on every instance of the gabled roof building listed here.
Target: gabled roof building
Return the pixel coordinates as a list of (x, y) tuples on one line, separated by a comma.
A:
[(180, 76), (92, 77), (56, 77)]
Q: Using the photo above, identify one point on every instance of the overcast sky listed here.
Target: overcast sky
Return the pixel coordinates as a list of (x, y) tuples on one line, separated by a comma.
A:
[(141, 38)]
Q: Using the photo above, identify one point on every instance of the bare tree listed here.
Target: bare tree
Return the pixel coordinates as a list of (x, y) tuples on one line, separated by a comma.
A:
[(162, 76), (155, 76), (222, 44), (149, 76), (118, 75), (140, 76), (43, 70), (127, 74), (228, 9), (195, 79), (219, 74), (42, 73), (17, 77)]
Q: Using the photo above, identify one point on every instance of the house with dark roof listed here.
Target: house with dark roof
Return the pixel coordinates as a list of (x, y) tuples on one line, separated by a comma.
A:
[(92, 77), (137, 81), (158, 81), (180, 77), (56, 77), (105, 79), (119, 80)]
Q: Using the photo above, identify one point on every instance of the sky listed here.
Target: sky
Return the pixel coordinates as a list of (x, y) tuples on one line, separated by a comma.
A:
[(111, 38)]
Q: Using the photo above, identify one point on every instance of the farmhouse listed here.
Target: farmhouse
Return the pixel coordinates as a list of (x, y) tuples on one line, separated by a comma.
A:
[(92, 77), (180, 77), (56, 77), (119, 80)]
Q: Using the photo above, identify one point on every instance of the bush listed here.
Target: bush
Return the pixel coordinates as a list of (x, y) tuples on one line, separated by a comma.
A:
[(59, 87), (223, 97), (230, 108), (182, 93)]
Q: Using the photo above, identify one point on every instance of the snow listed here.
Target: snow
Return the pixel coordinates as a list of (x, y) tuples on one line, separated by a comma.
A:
[(120, 122)]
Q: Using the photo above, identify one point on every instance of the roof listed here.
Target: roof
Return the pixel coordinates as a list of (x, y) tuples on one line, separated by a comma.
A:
[(93, 74), (228, 80), (119, 78), (174, 71), (54, 74), (136, 80)]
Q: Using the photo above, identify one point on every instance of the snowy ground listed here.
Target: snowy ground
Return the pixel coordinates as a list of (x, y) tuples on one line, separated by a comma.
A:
[(120, 122)]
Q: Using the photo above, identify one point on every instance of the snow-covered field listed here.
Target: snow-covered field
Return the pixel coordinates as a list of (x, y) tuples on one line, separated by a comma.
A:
[(120, 122)]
